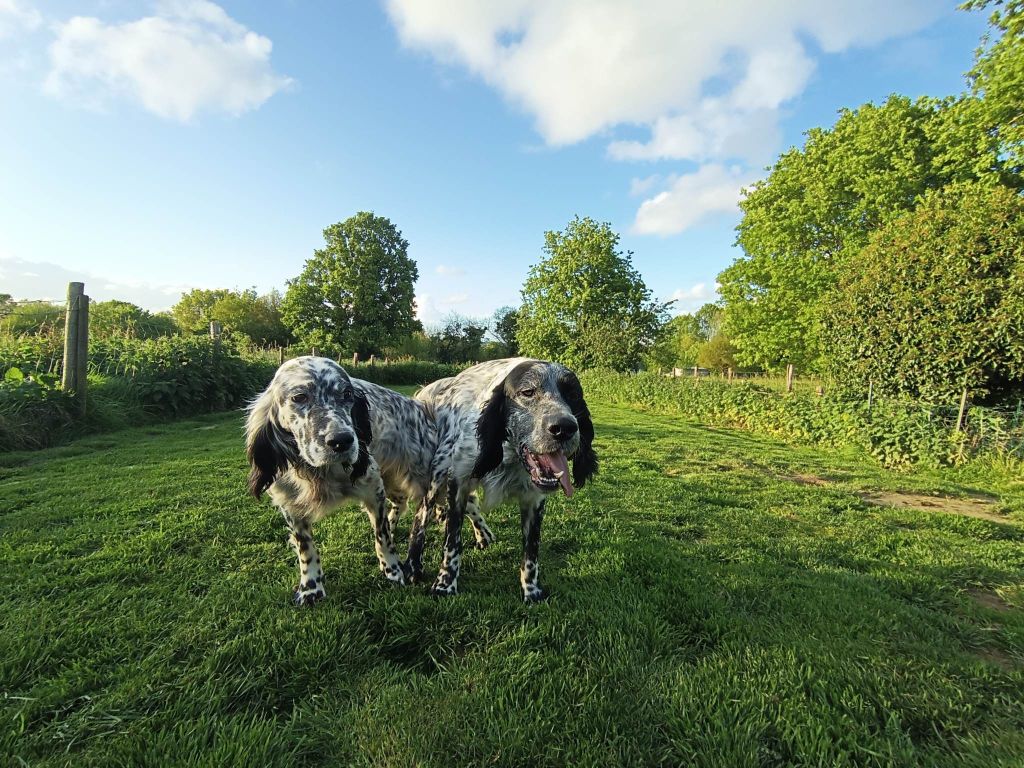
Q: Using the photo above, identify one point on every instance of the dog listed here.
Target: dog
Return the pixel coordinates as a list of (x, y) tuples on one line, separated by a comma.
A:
[(316, 438), (511, 427)]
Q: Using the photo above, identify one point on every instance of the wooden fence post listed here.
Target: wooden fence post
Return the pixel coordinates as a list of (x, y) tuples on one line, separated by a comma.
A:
[(69, 376), (789, 377), (729, 374), (963, 408), (280, 355), (355, 359), (312, 351), (373, 359), (82, 358), (871, 396)]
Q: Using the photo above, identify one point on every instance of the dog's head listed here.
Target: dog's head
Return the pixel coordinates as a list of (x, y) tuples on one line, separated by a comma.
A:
[(310, 416), (539, 411)]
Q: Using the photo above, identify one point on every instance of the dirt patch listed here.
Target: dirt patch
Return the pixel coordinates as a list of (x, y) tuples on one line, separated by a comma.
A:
[(979, 507), (805, 479), (988, 599), (997, 657)]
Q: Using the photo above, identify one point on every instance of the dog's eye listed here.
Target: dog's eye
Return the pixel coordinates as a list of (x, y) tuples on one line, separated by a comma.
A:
[(346, 394), (299, 398), (527, 392)]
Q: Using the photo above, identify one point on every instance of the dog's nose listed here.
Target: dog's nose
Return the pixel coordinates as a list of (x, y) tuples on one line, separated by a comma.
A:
[(341, 441), (563, 429)]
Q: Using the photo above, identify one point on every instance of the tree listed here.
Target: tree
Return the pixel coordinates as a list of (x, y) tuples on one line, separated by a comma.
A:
[(112, 318), (819, 205), (33, 317), (997, 78), (503, 325), (584, 304), (357, 292), (458, 340), (717, 353), (245, 312), (936, 300)]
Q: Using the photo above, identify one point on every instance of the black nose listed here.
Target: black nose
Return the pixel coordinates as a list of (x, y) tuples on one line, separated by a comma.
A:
[(563, 429), (341, 441)]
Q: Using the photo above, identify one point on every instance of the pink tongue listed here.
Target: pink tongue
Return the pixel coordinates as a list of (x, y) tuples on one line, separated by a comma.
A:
[(556, 463)]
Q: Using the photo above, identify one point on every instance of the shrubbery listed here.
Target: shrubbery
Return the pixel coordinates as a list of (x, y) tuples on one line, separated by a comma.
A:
[(896, 433)]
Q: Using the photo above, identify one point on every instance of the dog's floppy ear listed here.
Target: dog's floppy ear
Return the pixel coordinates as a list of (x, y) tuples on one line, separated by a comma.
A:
[(364, 433), (584, 463), (266, 444), (490, 432)]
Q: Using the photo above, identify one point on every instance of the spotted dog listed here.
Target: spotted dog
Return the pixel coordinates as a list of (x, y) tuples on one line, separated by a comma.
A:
[(317, 438), (509, 427)]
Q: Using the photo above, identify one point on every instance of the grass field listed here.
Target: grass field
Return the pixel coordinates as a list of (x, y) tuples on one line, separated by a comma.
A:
[(718, 599)]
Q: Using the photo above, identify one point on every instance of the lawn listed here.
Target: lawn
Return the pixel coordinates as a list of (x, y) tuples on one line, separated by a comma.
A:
[(717, 599)]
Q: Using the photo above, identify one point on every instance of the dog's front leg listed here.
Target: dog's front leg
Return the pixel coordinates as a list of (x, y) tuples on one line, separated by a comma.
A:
[(447, 582), (481, 531), (532, 513), (311, 576), (375, 503)]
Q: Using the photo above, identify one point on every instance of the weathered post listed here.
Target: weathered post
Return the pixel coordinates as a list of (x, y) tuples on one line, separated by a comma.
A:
[(789, 377), (280, 355), (82, 356), (728, 374), (355, 359), (373, 359), (963, 408), (69, 381), (312, 351)]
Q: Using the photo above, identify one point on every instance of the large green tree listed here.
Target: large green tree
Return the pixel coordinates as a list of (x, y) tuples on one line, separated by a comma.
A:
[(936, 300), (584, 304), (357, 292), (503, 325)]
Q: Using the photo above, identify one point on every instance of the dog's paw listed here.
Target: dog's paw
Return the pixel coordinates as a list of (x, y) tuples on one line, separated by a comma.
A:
[(413, 573), (534, 593), (308, 594), (394, 573), (442, 589), (484, 536)]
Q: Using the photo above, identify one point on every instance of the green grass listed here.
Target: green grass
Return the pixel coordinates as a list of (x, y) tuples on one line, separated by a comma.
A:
[(709, 607)]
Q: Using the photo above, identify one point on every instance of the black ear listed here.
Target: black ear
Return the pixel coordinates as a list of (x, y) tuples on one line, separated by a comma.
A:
[(490, 433), (364, 433), (266, 449), (584, 463)]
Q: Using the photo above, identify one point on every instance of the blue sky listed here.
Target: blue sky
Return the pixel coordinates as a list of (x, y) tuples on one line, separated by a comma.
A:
[(149, 148)]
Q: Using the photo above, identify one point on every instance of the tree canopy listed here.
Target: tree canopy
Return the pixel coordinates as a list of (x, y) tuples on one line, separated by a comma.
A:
[(356, 292), (246, 312), (584, 304), (122, 318)]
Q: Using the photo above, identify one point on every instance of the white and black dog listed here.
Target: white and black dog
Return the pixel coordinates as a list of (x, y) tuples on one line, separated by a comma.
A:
[(510, 426), (317, 438)]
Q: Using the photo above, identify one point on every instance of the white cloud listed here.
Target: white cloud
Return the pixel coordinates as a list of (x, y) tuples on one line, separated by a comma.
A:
[(691, 197), (49, 282), (693, 298), (447, 271), (188, 58), (16, 16), (579, 67), (708, 80), (456, 298)]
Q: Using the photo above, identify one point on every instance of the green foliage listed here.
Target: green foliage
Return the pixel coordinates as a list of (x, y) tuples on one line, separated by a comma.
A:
[(32, 317), (717, 354), (458, 340), (898, 434), (584, 304), (239, 312), (357, 292), (818, 207), (121, 318), (997, 79), (403, 372), (504, 325), (935, 301)]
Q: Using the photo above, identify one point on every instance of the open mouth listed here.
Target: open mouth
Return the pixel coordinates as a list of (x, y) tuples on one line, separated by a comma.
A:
[(547, 470)]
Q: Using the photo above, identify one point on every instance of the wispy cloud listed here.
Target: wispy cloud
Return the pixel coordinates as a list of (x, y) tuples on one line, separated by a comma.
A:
[(16, 16), (690, 198), (448, 271)]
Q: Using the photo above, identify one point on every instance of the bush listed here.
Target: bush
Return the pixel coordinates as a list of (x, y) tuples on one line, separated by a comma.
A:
[(897, 433)]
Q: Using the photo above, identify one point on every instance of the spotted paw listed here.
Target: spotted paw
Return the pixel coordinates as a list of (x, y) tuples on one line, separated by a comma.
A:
[(534, 593), (308, 596), (484, 537), (441, 589), (393, 573), (413, 573)]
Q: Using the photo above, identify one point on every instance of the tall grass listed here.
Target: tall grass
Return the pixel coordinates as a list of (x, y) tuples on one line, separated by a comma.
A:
[(897, 433)]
